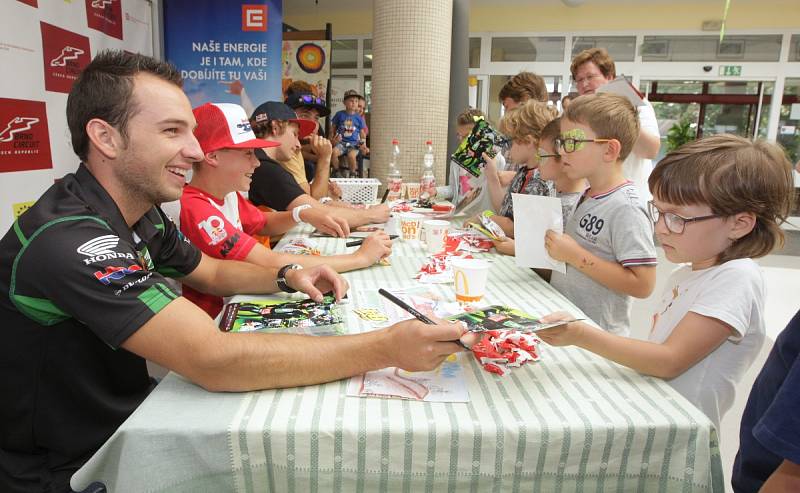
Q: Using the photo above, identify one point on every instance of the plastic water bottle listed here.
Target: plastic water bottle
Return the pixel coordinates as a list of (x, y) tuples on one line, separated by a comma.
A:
[(427, 183), (395, 179)]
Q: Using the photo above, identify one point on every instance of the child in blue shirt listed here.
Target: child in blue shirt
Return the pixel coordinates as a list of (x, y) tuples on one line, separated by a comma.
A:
[(349, 131)]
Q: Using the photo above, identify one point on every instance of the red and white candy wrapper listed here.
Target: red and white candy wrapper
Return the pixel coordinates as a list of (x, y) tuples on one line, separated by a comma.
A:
[(502, 350), (438, 269), (401, 206), (467, 241), (301, 246)]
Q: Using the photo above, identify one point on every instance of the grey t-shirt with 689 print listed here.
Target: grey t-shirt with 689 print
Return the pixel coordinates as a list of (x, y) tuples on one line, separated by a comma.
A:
[(613, 226)]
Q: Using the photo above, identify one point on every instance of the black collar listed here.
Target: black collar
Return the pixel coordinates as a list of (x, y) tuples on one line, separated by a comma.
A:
[(98, 199)]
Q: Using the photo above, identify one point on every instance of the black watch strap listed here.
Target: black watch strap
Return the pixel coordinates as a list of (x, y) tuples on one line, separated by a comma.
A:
[(281, 280)]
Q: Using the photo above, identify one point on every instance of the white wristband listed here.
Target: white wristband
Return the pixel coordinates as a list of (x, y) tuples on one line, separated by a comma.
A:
[(296, 212)]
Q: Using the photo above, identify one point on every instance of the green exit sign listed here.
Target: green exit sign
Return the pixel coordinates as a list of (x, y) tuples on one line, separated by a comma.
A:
[(730, 70)]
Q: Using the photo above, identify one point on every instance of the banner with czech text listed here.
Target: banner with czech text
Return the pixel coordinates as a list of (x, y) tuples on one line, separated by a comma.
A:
[(227, 52)]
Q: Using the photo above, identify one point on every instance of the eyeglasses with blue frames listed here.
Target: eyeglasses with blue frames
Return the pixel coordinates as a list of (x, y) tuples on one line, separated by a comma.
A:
[(569, 144), (675, 223)]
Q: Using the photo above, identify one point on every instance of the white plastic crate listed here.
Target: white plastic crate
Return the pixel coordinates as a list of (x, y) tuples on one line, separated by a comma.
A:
[(358, 190)]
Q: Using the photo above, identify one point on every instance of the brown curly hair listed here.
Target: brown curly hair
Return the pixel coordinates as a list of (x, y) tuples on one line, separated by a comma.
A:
[(524, 86)]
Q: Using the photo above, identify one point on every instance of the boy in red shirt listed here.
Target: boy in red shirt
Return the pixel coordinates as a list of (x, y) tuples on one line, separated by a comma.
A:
[(220, 221)]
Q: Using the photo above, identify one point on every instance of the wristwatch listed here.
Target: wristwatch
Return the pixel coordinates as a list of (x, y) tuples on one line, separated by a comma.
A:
[(296, 212), (281, 280)]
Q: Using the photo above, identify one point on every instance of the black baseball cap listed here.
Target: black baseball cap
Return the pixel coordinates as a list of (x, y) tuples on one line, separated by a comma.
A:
[(275, 110), (308, 100)]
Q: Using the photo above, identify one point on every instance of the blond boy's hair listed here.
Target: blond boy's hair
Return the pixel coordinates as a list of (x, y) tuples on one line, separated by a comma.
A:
[(610, 116), (527, 120), (731, 174)]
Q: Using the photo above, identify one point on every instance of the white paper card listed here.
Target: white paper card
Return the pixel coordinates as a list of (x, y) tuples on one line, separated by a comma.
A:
[(623, 87), (533, 216)]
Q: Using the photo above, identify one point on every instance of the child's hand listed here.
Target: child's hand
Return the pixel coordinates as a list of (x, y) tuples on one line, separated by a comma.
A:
[(474, 220), (505, 246), (564, 335), (561, 247), (491, 164)]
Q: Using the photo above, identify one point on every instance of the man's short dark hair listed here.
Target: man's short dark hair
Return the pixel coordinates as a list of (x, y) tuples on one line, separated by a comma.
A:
[(104, 90)]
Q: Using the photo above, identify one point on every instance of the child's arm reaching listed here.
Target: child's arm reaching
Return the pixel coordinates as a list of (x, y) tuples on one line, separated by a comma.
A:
[(637, 281), (496, 190), (694, 338), (505, 246)]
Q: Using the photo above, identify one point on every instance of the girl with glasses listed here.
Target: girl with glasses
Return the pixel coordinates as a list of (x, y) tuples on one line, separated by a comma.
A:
[(717, 204)]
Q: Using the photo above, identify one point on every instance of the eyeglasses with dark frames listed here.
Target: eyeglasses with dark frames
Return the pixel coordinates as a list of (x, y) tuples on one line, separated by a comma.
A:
[(675, 223), (541, 154), (569, 144)]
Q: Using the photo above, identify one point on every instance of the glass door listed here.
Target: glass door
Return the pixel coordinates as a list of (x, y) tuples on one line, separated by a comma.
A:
[(692, 108)]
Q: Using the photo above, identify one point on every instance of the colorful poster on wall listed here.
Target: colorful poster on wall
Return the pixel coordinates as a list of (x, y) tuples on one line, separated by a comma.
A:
[(307, 61), (227, 52)]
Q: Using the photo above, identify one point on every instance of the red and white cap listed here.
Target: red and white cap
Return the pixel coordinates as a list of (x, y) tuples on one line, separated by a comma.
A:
[(225, 126)]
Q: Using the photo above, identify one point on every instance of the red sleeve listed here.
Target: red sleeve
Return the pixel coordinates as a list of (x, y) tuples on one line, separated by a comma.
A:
[(253, 218), (210, 230)]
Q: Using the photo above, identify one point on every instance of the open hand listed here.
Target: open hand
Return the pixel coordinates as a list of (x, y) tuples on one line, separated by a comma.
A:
[(323, 221), (375, 247), (563, 335), (317, 280)]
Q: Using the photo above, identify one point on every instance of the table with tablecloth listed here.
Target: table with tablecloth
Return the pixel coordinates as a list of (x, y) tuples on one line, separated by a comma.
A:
[(570, 422)]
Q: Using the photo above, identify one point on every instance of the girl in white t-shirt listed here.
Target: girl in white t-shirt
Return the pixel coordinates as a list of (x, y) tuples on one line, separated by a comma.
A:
[(717, 204)]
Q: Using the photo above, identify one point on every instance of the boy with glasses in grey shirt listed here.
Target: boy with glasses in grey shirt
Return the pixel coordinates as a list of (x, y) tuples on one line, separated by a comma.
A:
[(608, 241)]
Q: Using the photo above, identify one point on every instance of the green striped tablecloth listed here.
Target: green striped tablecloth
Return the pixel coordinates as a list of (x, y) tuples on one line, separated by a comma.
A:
[(572, 422)]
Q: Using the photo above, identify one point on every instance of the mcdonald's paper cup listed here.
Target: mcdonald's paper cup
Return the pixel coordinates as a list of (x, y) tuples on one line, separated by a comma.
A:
[(413, 190), (410, 226), (435, 232), (469, 276)]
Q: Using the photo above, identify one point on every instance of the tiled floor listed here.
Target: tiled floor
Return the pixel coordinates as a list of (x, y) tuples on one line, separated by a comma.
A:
[(782, 273)]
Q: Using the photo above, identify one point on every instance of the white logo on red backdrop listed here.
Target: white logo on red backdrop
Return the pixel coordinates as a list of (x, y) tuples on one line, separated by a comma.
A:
[(105, 16), (65, 54), (254, 17), (24, 139), (32, 3), (68, 53)]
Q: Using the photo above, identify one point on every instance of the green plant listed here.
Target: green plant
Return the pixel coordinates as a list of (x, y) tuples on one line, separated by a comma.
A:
[(679, 134)]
